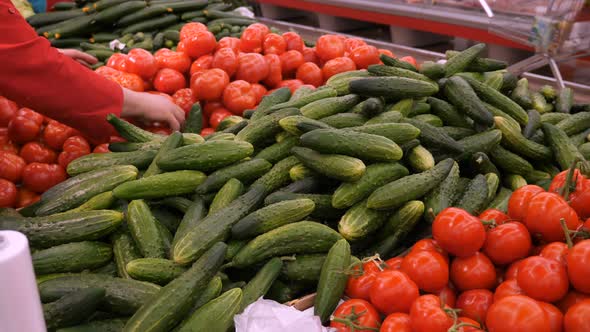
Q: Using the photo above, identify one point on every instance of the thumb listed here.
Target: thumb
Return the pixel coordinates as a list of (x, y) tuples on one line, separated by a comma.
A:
[(173, 123)]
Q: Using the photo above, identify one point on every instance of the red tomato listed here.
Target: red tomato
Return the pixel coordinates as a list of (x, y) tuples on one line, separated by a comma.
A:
[(570, 299), (556, 251), (310, 73), (130, 81), (359, 284), (386, 52), (26, 197), (393, 291), (294, 41), (394, 263), (102, 148), (576, 318), (507, 243), (199, 43), (263, 27), (507, 288), (22, 130), (239, 96), (66, 157), (7, 111), (211, 106), (475, 303), (259, 91), (274, 44), (363, 56), (543, 279), (447, 296), (368, 317), (37, 152), (8, 146), (336, 66), (519, 201), (275, 73), (554, 316), (31, 115), (476, 271), (428, 269), (226, 60), (543, 217), (517, 313), (410, 60), (329, 47), (142, 63), (178, 61), (466, 324), (217, 116), (118, 61), (180, 47), (252, 68), (427, 315), (579, 198), (396, 322), (252, 39), (291, 61), (350, 44), (202, 63), (458, 232), (578, 266), (185, 99), (229, 42), (309, 55), (495, 215), (512, 270), (210, 85), (76, 143), (207, 131), (11, 166), (8, 194), (55, 134), (39, 177), (293, 85), (169, 81), (190, 29)]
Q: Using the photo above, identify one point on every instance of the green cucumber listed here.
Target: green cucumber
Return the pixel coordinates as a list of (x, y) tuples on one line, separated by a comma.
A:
[(165, 310), (432, 70), (231, 190), (564, 101), (481, 142), (123, 296), (212, 291), (494, 80), (460, 61), (553, 117), (124, 251), (256, 132), (335, 166), (385, 117), (277, 97), (106, 325), (73, 27), (246, 172), (207, 156), (323, 206), (177, 202), (299, 172), (434, 136), (514, 181), (297, 125), (329, 106), (306, 268), (575, 123), (394, 62), (278, 151), (534, 123), (580, 138), (259, 285), (396, 193), (332, 280), (72, 308), (160, 185), (151, 24), (216, 315), (442, 196), (448, 113), (457, 133), (480, 65), (131, 132), (500, 202), (474, 199), (344, 120), (144, 230), (341, 81), (431, 119), (515, 141), (539, 103), (71, 257), (481, 163), (228, 122), (521, 94), (510, 162), (460, 94), (302, 237), (99, 202), (399, 225), (44, 19), (369, 107), (93, 161), (141, 15), (585, 150), (392, 87), (194, 120), (404, 106), (155, 270), (497, 112), (548, 92), (221, 136), (168, 218), (65, 227), (284, 292), (564, 150), (128, 147), (114, 13), (318, 94), (359, 221), (399, 133), (195, 212), (536, 176), (383, 70), (171, 142), (420, 159)]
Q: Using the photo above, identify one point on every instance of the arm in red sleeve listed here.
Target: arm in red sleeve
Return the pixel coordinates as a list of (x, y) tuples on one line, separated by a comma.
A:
[(36, 75)]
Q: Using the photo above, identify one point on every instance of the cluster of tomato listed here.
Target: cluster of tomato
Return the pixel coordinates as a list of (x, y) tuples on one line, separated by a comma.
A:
[(233, 74), (34, 153), (496, 272)]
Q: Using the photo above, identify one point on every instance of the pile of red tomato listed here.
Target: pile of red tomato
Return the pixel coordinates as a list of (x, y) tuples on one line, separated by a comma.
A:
[(232, 75), (495, 272), (34, 153)]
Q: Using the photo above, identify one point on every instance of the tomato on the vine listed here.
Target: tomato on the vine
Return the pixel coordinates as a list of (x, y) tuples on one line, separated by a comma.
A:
[(8, 194), (396, 322), (76, 143), (576, 318), (475, 303), (578, 266), (39, 177), (473, 272), (507, 243), (8, 109), (117, 61), (519, 201), (517, 313), (252, 68), (11, 166), (169, 81), (359, 284), (7, 146), (356, 311), (37, 152), (428, 269), (209, 85), (393, 291), (427, 315), (557, 251), (66, 157), (394, 263), (458, 232), (185, 99), (238, 96), (26, 197), (447, 296), (336, 66), (495, 215), (226, 60), (543, 279), (310, 73), (545, 210), (178, 61), (329, 47), (309, 55)]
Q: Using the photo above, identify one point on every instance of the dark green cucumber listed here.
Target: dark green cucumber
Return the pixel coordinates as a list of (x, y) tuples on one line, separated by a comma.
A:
[(194, 120), (171, 142), (151, 24), (208, 156), (340, 82), (383, 70), (246, 172), (141, 15), (432, 70), (536, 176), (335, 166), (500, 202), (359, 221), (155, 270), (195, 212), (128, 147), (534, 123), (521, 94), (43, 19), (71, 257), (480, 65), (231, 190), (564, 150), (460, 94), (514, 181), (131, 132), (397, 228), (329, 106), (481, 142), (515, 141), (266, 127), (212, 291), (474, 199), (419, 159), (510, 162), (481, 163), (101, 55), (216, 315), (460, 61), (124, 251), (306, 268), (123, 296), (93, 161), (399, 133), (43, 232), (393, 87), (284, 292), (165, 310), (332, 280), (580, 138), (106, 325), (279, 96), (385, 117), (369, 107), (431, 119), (458, 133), (297, 125), (72, 308), (408, 188), (176, 202), (448, 113), (394, 62), (345, 120), (434, 136), (575, 123), (497, 112), (585, 150), (168, 218), (302, 237), (318, 94), (278, 151), (271, 217), (494, 80), (114, 13), (160, 185), (259, 285), (442, 196), (228, 122), (73, 27), (565, 100), (323, 206), (144, 230), (99, 202)]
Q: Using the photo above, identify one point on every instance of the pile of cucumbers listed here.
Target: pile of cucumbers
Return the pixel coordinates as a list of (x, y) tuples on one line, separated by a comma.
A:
[(151, 24), (182, 232)]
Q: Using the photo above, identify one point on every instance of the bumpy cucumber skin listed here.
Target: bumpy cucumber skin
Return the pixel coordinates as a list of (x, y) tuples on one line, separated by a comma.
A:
[(359, 221), (155, 270), (216, 315), (475, 196), (260, 284), (442, 196), (332, 279), (336, 166), (71, 257)]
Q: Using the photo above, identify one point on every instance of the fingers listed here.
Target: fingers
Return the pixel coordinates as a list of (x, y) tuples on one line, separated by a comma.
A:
[(81, 56), (178, 114), (173, 122)]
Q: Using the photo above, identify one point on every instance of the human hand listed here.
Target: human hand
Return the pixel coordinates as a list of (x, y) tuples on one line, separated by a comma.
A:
[(152, 107), (83, 58)]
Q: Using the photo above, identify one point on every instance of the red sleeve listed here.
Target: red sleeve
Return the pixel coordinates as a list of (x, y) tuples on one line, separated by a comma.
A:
[(36, 75)]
